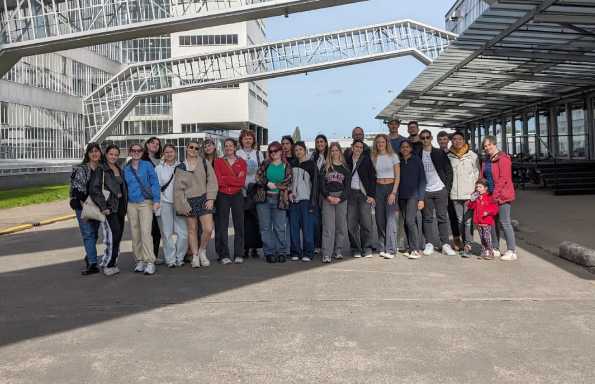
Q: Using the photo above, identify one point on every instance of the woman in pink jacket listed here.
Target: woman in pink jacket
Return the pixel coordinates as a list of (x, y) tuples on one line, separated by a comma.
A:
[(497, 170)]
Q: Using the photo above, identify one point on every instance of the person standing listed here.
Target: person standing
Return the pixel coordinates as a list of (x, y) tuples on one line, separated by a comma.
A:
[(413, 139), (484, 210), (497, 170), (394, 136), (361, 200), (387, 166), (274, 176), (152, 152), (319, 157), (109, 181), (80, 179), (144, 198), (335, 183), (253, 158), (412, 191), (209, 150), (231, 176), (438, 173), (465, 168), (303, 203), (443, 141), (173, 226), (287, 146), (357, 134), (195, 191)]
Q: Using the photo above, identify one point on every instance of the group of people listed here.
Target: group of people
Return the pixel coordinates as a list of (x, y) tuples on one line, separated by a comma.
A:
[(295, 205)]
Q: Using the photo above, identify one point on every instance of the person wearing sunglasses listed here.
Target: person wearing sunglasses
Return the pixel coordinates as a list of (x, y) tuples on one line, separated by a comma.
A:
[(144, 197), (274, 176), (438, 173), (195, 191)]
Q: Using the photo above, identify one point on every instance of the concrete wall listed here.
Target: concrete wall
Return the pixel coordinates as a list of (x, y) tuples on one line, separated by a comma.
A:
[(32, 180)]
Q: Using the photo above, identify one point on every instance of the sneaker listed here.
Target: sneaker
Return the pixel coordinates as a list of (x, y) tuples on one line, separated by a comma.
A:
[(306, 259), (429, 249), (509, 256), (238, 260), (414, 255), (467, 251), (382, 254), (180, 263), (90, 270), (225, 261), (339, 257), (389, 256), (326, 259), (140, 267), (448, 251), (195, 261), (204, 260), (281, 259), (295, 258), (171, 265), (150, 269), (497, 253), (317, 251), (367, 255), (357, 255), (110, 271)]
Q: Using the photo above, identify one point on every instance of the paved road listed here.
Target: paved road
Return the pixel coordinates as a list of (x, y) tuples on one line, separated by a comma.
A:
[(435, 320)]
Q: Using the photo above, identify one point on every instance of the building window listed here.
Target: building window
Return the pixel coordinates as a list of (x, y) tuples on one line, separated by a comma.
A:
[(562, 134), (198, 40), (578, 130)]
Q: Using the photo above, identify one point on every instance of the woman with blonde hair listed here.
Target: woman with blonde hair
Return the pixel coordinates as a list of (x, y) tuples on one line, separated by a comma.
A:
[(387, 166), (335, 184)]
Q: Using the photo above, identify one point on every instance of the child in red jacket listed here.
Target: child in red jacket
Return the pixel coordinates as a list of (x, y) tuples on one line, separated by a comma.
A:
[(484, 211)]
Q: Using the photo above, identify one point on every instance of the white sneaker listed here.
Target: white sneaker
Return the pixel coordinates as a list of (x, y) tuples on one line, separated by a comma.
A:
[(226, 260), (306, 259), (204, 260), (180, 263), (389, 256), (509, 256), (295, 258), (497, 253), (357, 255), (195, 261), (414, 255), (382, 254), (368, 255), (429, 249), (448, 251), (171, 265), (339, 257), (140, 267), (238, 260), (110, 271), (150, 269)]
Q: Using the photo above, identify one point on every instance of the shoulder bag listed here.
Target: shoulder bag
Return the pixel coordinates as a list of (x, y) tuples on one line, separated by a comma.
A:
[(90, 210)]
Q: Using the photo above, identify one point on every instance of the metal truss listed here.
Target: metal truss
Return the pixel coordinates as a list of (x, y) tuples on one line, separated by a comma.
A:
[(30, 27), (110, 103)]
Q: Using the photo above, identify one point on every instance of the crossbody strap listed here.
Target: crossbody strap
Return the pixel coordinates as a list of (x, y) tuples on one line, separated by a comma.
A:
[(146, 192)]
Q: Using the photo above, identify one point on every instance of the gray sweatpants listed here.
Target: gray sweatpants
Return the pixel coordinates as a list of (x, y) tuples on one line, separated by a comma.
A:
[(359, 217), (334, 228), (386, 219)]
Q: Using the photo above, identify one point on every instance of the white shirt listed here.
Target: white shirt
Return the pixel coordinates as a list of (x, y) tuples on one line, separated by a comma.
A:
[(355, 180), (164, 173), (434, 184), (252, 161), (385, 166)]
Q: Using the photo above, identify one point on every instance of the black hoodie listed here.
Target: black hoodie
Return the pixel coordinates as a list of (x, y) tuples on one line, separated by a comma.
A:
[(336, 182)]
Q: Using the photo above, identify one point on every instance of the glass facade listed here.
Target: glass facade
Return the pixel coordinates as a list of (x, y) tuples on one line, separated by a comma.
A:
[(199, 40), (33, 133)]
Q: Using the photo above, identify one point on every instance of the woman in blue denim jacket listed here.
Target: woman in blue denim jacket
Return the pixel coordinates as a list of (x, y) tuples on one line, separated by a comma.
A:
[(143, 199)]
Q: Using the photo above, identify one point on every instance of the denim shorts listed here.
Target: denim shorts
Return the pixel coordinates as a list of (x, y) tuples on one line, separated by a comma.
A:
[(197, 206)]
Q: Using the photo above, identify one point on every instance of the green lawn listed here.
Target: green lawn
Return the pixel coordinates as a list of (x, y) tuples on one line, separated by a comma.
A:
[(32, 195)]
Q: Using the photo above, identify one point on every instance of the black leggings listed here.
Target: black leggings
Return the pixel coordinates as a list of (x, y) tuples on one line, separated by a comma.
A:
[(156, 234), (113, 230)]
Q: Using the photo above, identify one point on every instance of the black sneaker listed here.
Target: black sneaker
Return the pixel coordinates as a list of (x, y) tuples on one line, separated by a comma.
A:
[(281, 259), (90, 270)]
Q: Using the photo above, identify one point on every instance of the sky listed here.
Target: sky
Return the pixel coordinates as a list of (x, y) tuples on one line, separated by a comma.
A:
[(336, 100)]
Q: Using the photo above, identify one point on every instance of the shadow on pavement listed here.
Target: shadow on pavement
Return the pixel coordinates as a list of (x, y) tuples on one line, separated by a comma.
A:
[(40, 241)]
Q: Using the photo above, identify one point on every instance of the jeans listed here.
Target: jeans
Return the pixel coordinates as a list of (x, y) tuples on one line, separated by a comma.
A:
[(174, 247), (273, 225), (504, 219), (224, 204), (89, 232), (386, 219), (359, 219), (436, 201), (334, 228), (464, 219), (409, 213), (301, 226)]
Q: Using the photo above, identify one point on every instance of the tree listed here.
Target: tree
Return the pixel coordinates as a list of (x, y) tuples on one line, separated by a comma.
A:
[(297, 135)]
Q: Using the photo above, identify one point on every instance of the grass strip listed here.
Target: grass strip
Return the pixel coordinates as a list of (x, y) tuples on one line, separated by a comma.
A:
[(21, 197)]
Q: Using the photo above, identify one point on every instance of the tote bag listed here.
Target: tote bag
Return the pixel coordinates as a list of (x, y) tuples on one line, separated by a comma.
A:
[(90, 210)]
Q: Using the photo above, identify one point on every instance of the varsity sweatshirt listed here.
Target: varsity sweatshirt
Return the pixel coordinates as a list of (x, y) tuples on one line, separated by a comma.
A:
[(336, 182)]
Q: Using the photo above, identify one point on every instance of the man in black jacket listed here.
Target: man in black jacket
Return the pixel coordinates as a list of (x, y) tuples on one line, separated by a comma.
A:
[(357, 134), (362, 196), (439, 177)]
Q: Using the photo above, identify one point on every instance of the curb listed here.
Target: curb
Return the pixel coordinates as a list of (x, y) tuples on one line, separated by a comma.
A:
[(23, 227), (577, 253)]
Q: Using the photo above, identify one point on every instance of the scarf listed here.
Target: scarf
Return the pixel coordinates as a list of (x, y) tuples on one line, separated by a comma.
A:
[(461, 152)]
